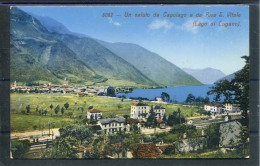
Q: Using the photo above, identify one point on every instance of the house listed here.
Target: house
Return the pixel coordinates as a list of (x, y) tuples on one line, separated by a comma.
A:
[(231, 108), (112, 125), (106, 91), (159, 111), (214, 108), (80, 94), (94, 114), (139, 111), (146, 150)]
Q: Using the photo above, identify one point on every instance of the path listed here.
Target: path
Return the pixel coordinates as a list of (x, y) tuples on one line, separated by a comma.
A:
[(34, 134)]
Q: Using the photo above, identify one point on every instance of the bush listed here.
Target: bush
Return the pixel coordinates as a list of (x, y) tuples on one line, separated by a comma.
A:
[(19, 148)]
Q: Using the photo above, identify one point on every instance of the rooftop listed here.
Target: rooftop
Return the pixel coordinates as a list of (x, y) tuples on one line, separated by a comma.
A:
[(110, 120), (139, 104), (146, 151), (132, 121), (94, 111), (158, 107)]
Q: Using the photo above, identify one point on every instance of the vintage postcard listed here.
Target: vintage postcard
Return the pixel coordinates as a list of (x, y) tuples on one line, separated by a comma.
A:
[(129, 82)]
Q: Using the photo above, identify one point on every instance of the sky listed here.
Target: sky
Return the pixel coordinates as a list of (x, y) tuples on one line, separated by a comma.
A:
[(179, 39)]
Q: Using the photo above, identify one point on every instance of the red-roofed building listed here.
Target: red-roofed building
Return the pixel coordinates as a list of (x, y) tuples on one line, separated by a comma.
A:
[(148, 150), (94, 114)]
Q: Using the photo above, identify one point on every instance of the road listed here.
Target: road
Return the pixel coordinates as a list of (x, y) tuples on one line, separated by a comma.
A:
[(42, 135), (158, 130)]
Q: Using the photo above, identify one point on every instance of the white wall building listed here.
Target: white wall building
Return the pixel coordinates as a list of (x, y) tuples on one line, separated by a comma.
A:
[(159, 111), (139, 109), (112, 125), (231, 108), (214, 108), (94, 114)]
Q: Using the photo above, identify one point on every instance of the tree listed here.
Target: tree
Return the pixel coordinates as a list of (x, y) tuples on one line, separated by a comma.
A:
[(190, 98), (40, 111), (235, 91), (199, 100), (206, 100), (164, 118), (66, 105), (212, 136), (81, 108), (175, 118), (126, 116), (37, 108), (62, 110), (165, 96), (51, 106), (19, 148), (90, 107), (56, 109), (111, 91), (151, 120), (63, 148), (28, 107), (45, 111), (81, 132)]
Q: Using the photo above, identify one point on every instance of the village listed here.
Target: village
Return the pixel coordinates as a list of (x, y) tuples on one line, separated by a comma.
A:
[(148, 123)]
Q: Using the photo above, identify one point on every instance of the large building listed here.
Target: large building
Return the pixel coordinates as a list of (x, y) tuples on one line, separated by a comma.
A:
[(139, 110), (94, 114), (112, 125), (159, 111), (214, 108), (231, 108)]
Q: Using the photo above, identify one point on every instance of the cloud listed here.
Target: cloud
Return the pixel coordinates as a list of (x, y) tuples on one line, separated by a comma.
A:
[(114, 22), (158, 24)]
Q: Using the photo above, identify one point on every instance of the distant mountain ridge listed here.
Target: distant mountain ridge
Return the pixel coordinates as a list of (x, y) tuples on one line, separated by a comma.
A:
[(45, 49), (206, 75), (54, 26), (152, 65), (228, 77)]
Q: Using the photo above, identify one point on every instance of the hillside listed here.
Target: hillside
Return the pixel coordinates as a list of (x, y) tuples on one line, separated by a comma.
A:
[(39, 55), (206, 75), (36, 56), (152, 65), (156, 68)]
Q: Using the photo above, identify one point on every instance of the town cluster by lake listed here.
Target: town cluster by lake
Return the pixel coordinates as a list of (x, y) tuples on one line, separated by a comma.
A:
[(94, 123)]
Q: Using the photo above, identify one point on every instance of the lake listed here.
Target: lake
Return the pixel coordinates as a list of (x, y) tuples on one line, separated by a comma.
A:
[(178, 93)]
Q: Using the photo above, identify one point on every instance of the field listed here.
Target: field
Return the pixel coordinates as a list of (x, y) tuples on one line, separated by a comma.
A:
[(108, 106)]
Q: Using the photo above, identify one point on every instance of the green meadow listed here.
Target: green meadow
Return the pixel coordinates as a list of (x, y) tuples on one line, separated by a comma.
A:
[(110, 107)]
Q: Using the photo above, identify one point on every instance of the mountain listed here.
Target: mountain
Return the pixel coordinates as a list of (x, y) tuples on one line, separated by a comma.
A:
[(150, 64), (36, 56), (163, 73), (228, 77), (39, 55), (54, 26), (206, 75)]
